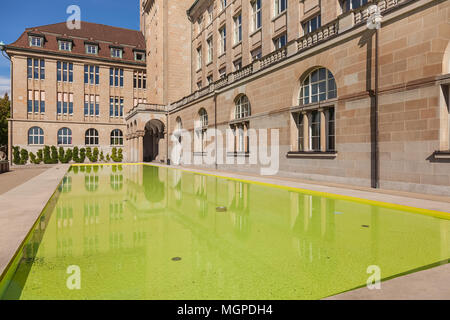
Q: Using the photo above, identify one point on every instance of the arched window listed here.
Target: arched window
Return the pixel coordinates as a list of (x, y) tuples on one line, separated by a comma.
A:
[(64, 136), (242, 108), (116, 137), (91, 137), (318, 86), (203, 117), (35, 136)]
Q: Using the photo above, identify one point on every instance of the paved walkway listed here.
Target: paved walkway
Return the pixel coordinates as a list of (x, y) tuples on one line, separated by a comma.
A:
[(17, 176)]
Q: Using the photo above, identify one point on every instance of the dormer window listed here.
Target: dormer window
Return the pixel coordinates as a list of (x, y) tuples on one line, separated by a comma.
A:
[(65, 45), (91, 49), (139, 56), (116, 53), (36, 41)]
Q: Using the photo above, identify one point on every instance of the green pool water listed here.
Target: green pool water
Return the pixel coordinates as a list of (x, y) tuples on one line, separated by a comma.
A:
[(122, 226)]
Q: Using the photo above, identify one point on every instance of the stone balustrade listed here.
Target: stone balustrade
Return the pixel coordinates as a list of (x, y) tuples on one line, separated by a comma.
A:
[(321, 34), (306, 42)]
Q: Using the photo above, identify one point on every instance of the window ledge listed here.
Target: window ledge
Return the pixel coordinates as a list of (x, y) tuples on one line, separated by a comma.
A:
[(199, 154), (442, 155), (312, 155)]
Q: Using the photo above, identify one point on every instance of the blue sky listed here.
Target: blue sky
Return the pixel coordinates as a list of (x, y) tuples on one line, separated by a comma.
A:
[(18, 15)]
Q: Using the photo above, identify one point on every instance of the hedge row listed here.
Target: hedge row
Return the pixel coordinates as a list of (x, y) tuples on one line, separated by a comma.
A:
[(52, 155)]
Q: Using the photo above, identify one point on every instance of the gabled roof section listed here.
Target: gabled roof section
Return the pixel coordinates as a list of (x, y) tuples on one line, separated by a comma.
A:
[(104, 36)]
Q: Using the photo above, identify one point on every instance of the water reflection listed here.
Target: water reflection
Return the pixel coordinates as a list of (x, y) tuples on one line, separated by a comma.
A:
[(123, 224)]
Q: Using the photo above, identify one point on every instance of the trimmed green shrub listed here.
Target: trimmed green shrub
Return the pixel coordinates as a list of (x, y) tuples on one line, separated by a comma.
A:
[(39, 157), (116, 155), (94, 157), (120, 155), (47, 158), (76, 155), (16, 156), (102, 157), (61, 154), (23, 156), (54, 155), (108, 158), (82, 155)]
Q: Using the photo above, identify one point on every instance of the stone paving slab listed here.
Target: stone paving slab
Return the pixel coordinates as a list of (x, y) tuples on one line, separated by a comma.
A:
[(21, 207), (431, 284), (17, 176)]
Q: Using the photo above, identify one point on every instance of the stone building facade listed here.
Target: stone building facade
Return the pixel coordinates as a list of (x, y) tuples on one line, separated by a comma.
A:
[(73, 87), (350, 104)]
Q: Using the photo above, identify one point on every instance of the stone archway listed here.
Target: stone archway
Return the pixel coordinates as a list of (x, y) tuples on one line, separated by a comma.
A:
[(154, 133)]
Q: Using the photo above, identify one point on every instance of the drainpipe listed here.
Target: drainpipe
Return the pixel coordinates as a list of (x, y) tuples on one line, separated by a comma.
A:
[(377, 146), (215, 126)]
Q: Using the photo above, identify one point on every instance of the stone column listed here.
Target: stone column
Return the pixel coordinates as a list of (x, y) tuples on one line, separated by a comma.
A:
[(140, 148), (323, 131)]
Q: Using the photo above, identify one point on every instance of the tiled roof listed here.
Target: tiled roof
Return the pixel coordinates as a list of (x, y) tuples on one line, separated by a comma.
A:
[(104, 36)]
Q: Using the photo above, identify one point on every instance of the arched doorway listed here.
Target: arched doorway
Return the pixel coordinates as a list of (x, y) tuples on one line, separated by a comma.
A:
[(154, 132)]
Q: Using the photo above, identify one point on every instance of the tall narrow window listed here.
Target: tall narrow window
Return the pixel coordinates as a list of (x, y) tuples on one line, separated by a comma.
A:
[(280, 42), (199, 58), (315, 131), (256, 15), (30, 101), (242, 108), (331, 138), (209, 44), (64, 71), (238, 28), (42, 64), (223, 40), (30, 68), (280, 6)]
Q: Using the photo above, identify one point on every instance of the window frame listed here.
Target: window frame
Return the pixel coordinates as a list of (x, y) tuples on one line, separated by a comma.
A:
[(116, 138), (90, 135), (237, 23), (256, 15), (64, 135), (280, 6), (36, 134)]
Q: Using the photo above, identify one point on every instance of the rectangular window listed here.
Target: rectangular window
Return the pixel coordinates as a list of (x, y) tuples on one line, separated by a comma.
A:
[(71, 103), (116, 77), (42, 63), (30, 101), (36, 69), (223, 40), (139, 56), (280, 42), (199, 58), (256, 54), (116, 107), (280, 6), (199, 85), (116, 53), (209, 43), (210, 13), (238, 28), (91, 75), (223, 72), (65, 45), (42, 110), (65, 103), (64, 71), (86, 105), (59, 104), (97, 105), (312, 24), (91, 49), (36, 41), (223, 4), (348, 5), (36, 101), (315, 131), (111, 107), (209, 79), (237, 65), (256, 15)]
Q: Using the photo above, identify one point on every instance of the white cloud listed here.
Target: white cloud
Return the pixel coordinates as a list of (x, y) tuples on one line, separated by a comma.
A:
[(5, 86)]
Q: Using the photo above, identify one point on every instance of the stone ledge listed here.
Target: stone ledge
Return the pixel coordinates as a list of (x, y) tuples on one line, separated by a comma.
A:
[(312, 155), (17, 216)]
